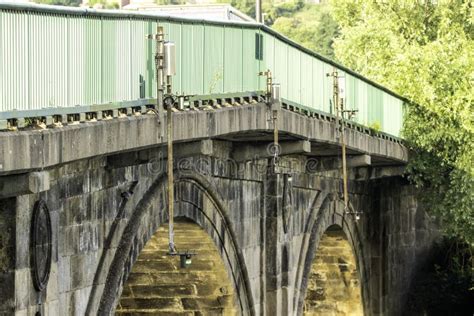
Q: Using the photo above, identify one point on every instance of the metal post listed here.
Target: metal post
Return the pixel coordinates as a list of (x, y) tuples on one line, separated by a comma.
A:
[(269, 83), (159, 58), (344, 161), (169, 71), (258, 11), (270, 100), (164, 82), (169, 124), (339, 111)]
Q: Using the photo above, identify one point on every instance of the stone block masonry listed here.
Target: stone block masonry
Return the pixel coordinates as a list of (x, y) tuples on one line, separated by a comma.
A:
[(106, 199)]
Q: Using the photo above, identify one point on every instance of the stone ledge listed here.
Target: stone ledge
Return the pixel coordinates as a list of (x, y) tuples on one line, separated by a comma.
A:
[(28, 150)]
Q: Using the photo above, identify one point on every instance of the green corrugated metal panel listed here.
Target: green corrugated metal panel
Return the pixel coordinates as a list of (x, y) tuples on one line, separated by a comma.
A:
[(187, 57), (351, 93), (77, 63), (233, 59), (213, 59), (375, 106), (262, 82), (307, 85), (101, 59), (139, 57), (123, 59), (392, 114), (281, 66), (109, 46), (250, 63), (268, 52), (15, 61), (318, 84), (48, 78), (192, 58), (151, 49), (327, 88), (174, 34), (322, 95), (362, 103), (294, 77), (92, 61)]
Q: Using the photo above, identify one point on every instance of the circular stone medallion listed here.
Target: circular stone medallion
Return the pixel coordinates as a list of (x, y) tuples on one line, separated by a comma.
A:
[(41, 247)]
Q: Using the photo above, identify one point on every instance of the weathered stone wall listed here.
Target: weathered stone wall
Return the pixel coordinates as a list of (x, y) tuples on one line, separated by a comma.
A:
[(83, 201), (407, 234), (266, 225), (7, 254)]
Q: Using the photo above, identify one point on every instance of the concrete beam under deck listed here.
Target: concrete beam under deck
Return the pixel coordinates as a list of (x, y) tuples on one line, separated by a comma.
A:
[(23, 151)]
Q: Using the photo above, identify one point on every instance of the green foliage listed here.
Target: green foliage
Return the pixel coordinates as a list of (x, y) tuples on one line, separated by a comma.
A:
[(73, 3), (286, 9), (216, 79), (424, 51), (312, 26), (376, 126), (246, 6), (448, 269)]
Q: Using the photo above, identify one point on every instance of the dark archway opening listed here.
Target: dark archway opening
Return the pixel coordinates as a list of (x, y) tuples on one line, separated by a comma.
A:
[(333, 284), (158, 285)]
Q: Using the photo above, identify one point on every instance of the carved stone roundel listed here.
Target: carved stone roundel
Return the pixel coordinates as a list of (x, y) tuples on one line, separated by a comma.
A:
[(41, 248)]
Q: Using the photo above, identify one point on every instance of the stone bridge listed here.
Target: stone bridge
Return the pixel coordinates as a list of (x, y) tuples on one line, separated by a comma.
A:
[(83, 216)]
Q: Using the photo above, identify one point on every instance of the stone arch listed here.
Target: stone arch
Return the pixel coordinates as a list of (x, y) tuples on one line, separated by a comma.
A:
[(327, 211), (198, 200), (159, 285)]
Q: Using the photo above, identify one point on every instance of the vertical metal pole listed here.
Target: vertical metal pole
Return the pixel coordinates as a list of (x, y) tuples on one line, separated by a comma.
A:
[(338, 107), (169, 118), (258, 11), (274, 115), (269, 83), (335, 100), (159, 61), (344, 162), (275, 133), (163, 83)]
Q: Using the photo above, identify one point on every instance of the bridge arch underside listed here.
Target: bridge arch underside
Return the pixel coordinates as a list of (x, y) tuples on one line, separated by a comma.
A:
[(333, 284), (198, 212), (159, 285), (332, 269)]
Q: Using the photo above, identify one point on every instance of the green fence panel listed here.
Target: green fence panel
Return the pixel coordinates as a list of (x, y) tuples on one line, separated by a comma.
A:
[(307, 84), (268, 52), (294, 76), (250, 62), (139, 58), (71, 57), (92, 62), (281, 66), (192, 59), (213, 59), (233, 50), (375, 107), (175, 35), (14, 51), (392, 114), (318, 84)]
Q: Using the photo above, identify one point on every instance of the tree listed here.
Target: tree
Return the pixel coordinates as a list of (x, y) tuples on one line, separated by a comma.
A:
[(246, 6), (312, 26), (73, 3), (424, 50)]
